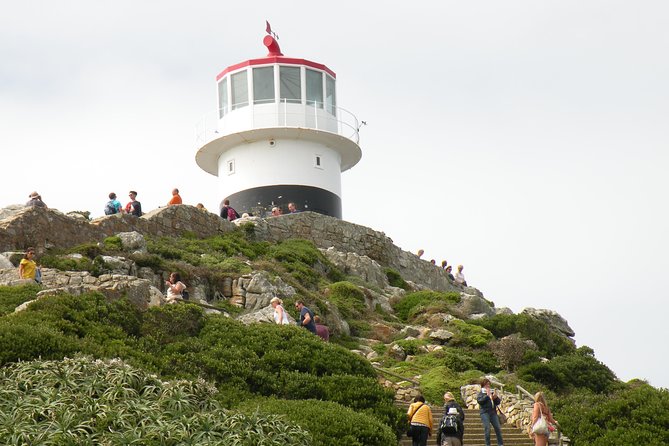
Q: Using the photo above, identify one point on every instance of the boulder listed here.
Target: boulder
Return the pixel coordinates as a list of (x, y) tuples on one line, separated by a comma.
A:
[(133, 241), (351, 263), (441, 336), (261, 288), (382, 332), (471, 304), (5, 263), (120, 265), (397, 352), (552, 318)]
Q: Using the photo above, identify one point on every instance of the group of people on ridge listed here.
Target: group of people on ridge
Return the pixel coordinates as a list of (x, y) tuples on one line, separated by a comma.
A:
[(458, 277), (451, 429)]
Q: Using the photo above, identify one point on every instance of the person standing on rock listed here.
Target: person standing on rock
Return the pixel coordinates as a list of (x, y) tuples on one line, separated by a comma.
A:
[(420, 420), (306, 317), (280, 314), (453, 436), (28, 268), (228, 212), (488, 401)]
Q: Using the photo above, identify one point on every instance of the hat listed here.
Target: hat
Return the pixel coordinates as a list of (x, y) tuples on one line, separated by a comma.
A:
[(34, 195), (452, 411)]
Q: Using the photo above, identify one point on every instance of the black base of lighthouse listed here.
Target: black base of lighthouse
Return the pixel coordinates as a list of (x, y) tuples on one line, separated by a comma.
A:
[(259, 201)]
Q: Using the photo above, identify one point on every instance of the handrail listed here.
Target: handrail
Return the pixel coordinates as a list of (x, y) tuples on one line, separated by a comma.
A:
[(388, 372), (324, 117), (524, 392)]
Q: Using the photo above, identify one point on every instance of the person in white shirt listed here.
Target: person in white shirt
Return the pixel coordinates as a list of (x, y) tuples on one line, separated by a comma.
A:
[(174, 288), (459, 277)]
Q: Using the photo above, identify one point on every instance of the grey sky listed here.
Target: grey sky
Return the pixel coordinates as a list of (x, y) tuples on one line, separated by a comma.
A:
[(526, 140)]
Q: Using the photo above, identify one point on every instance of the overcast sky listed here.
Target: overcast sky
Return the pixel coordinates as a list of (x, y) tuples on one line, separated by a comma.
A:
[(526, 140)]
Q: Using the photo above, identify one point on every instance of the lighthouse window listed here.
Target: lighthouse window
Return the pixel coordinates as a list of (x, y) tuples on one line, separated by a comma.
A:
[(289, 84), (222, 97), (330, 97), (231, 167), (263, 85), (240, 90), (317, 162), (315, 88)]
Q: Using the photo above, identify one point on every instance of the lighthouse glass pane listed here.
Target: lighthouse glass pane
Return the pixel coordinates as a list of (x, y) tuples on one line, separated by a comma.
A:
[(240, 90), (330, 96), (289, 85), (315, 88), (263, 85), (222, 97)]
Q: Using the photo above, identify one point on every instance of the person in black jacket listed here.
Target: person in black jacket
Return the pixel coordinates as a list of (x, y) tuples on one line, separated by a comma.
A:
[(488, 400), (451, 407)]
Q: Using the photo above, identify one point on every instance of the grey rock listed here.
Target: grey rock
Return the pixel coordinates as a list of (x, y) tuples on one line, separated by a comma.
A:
[(441, 336), (265, 315), (132, 241), (397, 352), (362, 266), (471, 304), (5, 263), (552, 318)]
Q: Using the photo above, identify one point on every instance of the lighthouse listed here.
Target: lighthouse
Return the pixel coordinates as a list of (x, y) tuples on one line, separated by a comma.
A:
[(278, 135)]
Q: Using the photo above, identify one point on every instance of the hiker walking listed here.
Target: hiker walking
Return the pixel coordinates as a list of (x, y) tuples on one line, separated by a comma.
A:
[(452, 425)]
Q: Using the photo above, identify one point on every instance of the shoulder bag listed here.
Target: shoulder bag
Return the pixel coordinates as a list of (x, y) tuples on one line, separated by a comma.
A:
[(410, 431), (501, 416), (540, 427)]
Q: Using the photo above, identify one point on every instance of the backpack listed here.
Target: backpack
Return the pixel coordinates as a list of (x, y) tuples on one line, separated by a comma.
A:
[(449, 424), (232, 214), (110, 208), (136, 208), (184, 294)]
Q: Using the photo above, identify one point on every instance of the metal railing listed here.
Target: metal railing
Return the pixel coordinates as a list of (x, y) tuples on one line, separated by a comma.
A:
[(283, 114)]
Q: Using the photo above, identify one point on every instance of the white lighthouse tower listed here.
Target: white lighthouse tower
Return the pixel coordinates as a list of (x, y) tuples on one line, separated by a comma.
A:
[(278, 135)]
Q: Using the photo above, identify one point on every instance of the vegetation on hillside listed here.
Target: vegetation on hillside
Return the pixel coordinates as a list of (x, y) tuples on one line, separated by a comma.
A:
[(281, 378)]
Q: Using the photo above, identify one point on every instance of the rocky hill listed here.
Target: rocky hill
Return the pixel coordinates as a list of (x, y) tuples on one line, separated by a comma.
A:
[(393, 311)]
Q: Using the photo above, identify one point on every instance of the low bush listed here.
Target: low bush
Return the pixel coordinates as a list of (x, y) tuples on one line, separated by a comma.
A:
[(13, 296), (549, 342), (406, 306), (349, 299), (395, 279), (466, 334), (579, 370), (329, 424)]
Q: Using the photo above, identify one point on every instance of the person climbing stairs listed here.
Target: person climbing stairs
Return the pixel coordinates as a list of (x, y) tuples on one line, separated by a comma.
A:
[(512, 435)]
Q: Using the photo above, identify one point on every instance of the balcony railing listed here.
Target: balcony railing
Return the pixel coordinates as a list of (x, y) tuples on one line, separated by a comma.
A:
[(284, 114)]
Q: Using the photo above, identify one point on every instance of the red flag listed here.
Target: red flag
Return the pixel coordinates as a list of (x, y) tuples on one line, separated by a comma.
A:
[(269, 28)]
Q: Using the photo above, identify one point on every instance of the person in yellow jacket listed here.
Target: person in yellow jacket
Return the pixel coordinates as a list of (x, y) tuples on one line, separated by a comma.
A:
[(420, 419)]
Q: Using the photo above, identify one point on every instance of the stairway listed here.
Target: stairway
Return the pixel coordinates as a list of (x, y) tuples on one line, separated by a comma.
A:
[(474, 431)]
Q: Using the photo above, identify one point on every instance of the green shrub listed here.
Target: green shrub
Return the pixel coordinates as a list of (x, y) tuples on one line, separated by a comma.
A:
[(395, 279), (113, 243), (302, 259), (349, 299), (329, 424), (549, 342), (577, 370), (407, 305), (466, 334), (633, 414), (171, 322), (13, 296)]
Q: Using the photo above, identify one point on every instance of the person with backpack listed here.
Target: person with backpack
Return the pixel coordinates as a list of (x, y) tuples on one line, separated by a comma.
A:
[(452, 425), (113, 206), (227, 211), (133, 207)]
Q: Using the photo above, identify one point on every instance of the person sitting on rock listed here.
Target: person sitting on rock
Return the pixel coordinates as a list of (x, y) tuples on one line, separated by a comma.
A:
[(175, 288), (36, 201), (176, 198), (133, 207), (449, 270), (459, 277)]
